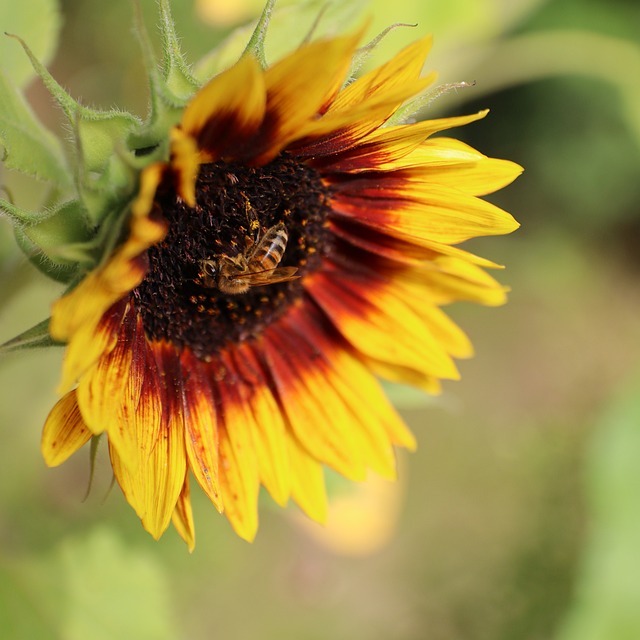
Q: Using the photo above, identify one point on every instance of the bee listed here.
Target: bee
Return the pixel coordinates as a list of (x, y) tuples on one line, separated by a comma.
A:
[(257, 266)]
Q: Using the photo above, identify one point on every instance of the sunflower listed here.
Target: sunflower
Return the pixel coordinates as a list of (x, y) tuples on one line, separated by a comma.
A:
[(293, 248)]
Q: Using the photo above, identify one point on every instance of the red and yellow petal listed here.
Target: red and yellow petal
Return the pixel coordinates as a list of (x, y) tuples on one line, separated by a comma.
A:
[(226, 114), (380, 324), (153, 487), (64, 431), (147, 443), (340, 130), (426, 212), (270, 434), (334, 406), (371, 245), (201, 425), (102, 387), (317, 416), (88, 343), (379, 422), (292, 99), (389, 148), (364, 105)]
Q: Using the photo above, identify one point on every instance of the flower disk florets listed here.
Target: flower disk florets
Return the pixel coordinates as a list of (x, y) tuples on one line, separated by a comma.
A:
[(236, 206)]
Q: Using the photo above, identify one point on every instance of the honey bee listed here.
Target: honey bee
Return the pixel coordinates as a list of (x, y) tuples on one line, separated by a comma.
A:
[(257, 266)]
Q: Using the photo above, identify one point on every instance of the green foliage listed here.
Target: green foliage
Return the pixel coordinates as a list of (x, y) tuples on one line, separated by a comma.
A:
[(26, 144), (608, 591), (36, 21), (90, 586)]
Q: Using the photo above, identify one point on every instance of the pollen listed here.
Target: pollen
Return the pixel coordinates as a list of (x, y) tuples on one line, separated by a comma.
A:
[(235, 206)]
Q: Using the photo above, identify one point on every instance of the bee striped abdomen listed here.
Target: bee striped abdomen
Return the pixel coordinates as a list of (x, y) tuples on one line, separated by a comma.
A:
[(270, 249)]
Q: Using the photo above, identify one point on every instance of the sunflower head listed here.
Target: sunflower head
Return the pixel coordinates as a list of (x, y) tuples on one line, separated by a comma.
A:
[(262, 248)]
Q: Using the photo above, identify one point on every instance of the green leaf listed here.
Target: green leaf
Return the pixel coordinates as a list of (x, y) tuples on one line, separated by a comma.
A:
[(90, 586), (299, 19), (37, 22), (27, 146)]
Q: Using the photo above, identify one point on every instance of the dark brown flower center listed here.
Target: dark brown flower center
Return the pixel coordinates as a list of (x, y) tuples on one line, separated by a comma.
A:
[(212, 281)]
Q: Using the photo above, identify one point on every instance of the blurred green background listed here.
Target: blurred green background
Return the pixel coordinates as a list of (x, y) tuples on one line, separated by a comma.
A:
[(519, 516)]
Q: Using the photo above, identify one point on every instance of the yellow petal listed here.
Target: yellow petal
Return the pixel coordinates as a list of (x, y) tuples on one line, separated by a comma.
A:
[(64, 431), (374, 422), (447, 333), (375, 409), (452, 163), (451, 278), (185, 162), (239, 480), (406, 375), (400, 70), (182, 517), (307, 482)]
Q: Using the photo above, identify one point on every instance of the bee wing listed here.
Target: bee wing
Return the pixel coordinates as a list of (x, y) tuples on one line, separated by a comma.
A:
[(268, 276)]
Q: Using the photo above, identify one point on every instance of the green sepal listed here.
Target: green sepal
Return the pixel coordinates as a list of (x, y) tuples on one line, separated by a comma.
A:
[(25, 144), (171, 86), (56, 241), (100, 138), (93, 452), (363, 53), (35, 338), (410, 110), (255, 46), (175, 71)]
